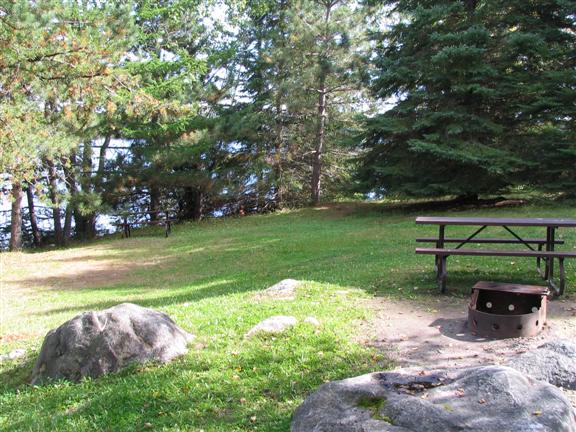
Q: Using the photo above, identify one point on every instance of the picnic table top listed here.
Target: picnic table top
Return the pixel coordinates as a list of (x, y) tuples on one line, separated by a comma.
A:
[(492, 221)]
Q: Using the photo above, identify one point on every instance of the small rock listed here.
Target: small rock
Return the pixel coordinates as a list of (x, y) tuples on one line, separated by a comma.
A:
[(283, 290), (275, 324), (13, 355), (312, 321)]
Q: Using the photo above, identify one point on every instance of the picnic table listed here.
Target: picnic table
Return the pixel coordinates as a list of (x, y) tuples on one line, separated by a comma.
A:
[(540, 248)]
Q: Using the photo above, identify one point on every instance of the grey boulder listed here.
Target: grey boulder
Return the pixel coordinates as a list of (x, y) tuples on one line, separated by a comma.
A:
[(487, 398), (553, 362), (275, 324), (95, 343), (283, 290)]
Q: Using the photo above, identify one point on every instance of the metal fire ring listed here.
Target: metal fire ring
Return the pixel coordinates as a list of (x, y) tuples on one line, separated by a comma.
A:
[(507, 310)]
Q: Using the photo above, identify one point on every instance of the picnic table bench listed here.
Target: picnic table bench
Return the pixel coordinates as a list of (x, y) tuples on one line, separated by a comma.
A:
[(548, 255)]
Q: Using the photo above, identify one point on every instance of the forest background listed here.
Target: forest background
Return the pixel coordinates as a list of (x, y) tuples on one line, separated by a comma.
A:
[(205, 108)]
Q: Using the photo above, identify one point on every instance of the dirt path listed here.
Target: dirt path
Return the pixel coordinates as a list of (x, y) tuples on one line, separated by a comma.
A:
[(419, 334), (433, 334)]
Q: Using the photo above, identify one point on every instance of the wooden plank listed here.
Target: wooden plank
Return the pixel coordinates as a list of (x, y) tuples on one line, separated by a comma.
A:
[(479, 252), (512, 288), (489, 221), (486, 240)]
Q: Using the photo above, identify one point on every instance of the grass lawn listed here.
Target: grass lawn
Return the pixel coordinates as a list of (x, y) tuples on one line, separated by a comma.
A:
[(205, 277)]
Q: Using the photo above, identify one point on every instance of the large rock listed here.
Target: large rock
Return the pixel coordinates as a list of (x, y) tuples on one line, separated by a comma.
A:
[(95, 343), (275, 324), (487, 398), (553, 362)]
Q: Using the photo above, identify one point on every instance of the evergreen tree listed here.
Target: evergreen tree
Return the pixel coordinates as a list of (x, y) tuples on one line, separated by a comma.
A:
[(484, 98), (56, 64), (178, 56), (301, 79)]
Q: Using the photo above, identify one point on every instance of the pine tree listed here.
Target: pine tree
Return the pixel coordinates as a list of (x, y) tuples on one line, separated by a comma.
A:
[(301, 79), (56, 65), (484, 98), (176, 57)]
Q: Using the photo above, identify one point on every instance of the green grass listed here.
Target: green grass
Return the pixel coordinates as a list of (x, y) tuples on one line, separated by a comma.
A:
[(205, 276)]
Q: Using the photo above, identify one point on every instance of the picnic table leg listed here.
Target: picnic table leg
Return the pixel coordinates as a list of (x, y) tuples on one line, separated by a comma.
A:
[(546, 260), (550, 232), (442, 273), (439, 245), (562, 276), (538, 262)]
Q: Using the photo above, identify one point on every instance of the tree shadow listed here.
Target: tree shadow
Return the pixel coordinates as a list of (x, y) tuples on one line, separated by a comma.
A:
[(213, 289), (457, 329), (194, 392), (17, 373)]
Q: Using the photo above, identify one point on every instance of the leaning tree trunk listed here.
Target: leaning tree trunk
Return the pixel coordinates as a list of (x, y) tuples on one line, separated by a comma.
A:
[(36, 236), (16, 219), (56, 213)]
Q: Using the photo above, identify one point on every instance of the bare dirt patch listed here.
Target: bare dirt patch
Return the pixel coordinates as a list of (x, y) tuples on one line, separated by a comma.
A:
[(432, 334), (89, 267)]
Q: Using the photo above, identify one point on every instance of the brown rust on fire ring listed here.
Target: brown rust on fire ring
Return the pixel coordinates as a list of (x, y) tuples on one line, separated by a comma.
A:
[(505, 326)]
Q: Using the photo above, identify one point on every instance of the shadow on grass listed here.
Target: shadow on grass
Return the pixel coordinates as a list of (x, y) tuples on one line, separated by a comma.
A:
[(459, 284), (259, 388), (17, 373), (213, 289), (225, 246)]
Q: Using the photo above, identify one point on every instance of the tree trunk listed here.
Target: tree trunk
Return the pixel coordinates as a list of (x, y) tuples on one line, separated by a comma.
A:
[(56, 214), (154, 203), (16, 219), (70, 179), (278, 168), (321, 132), (99, 186), (318, 151), (192, 204), (36, 235), (85, 223)]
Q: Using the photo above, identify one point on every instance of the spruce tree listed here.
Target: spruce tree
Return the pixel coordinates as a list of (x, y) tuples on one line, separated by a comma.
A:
[(483, 94)]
